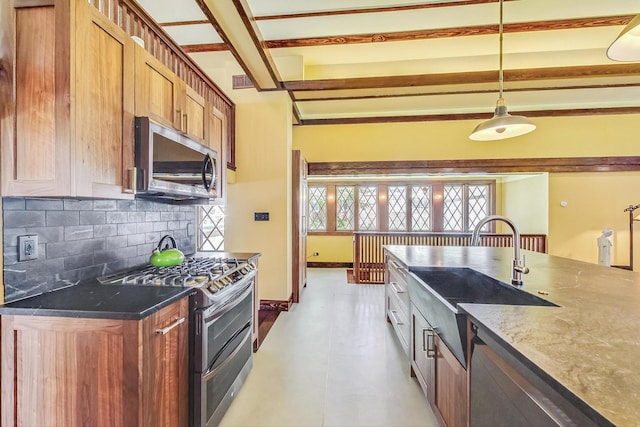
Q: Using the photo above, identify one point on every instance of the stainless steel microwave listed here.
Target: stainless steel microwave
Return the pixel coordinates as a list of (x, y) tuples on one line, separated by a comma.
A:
[(171, 167)]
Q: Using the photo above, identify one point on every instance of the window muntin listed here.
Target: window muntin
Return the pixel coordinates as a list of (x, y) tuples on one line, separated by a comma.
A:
[(453, 208), (345, 207), (368, 208), (397, 203), (477, 203), (210, 228), (421, 208), (317, 208)]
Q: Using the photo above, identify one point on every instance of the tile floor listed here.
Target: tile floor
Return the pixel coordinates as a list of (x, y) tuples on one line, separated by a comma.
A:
[(331, 361)]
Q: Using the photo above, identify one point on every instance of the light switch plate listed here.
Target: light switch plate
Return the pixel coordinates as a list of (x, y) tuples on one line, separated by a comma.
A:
[(27, 247)]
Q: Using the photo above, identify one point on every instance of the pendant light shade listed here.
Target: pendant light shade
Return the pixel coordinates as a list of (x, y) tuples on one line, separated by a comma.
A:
[(503, 125), (627, 46)]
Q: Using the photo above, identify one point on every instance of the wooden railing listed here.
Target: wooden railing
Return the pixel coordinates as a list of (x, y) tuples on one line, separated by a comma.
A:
[(368, 256)]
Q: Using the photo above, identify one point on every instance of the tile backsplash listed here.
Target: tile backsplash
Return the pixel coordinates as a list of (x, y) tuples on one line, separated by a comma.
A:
[(81, 239)]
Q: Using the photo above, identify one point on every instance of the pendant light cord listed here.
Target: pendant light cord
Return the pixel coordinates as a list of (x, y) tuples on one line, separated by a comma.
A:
[(500, 73)]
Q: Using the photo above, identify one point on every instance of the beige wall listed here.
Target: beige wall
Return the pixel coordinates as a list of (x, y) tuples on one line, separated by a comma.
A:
[(595, 200), (525, 201), (262, 184)]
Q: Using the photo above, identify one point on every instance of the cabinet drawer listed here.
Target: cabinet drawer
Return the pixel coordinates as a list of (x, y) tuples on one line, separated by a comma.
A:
[(399, 318), (399, 289)]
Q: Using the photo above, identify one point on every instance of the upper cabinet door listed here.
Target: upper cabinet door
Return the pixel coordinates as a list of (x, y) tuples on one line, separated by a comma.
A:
[(70, 130), (216, 139), (104, 105), (193, 119), (157, 90), (35, 128)]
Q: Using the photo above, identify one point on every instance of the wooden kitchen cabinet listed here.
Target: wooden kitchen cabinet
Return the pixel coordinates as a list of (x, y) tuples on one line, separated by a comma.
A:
[(63, 371), (163, 97), (71, 125), (440, 375), (216, 139)]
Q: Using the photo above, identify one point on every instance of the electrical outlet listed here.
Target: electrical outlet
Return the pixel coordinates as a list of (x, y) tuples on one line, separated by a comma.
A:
[(27, 247), (316, 253)]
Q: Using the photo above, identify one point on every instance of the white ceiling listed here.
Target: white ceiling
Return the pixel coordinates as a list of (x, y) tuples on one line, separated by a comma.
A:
[(443, 74)]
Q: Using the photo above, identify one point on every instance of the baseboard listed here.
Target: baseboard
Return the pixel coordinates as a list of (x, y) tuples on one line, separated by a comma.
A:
[(276, 305), (329, 264)]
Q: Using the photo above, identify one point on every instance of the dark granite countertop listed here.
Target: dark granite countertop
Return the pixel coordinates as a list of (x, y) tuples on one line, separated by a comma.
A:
[(590, 345), (93, 300)]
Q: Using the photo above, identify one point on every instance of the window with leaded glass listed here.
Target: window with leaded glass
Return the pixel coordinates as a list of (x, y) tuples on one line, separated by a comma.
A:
[(210, 228), (368, 208), (421, 208), (345, 207), (453, 208), (477, 204), (317, 209), (397, 204)]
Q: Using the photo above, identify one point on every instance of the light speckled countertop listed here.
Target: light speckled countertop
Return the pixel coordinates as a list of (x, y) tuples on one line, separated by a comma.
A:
[(590, 344)]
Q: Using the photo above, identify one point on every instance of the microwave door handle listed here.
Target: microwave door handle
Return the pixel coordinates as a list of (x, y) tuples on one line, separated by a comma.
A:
[(207, 164)]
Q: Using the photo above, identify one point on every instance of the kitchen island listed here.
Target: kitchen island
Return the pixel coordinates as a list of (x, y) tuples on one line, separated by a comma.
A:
[(587, 348)]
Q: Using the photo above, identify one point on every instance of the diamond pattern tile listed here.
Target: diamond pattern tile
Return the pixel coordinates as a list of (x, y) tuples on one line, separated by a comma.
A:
[(345, 207), (453, 205), (368, 208), (478, 204), (317, 208), (211, 228), (421, 208), (397, 202)]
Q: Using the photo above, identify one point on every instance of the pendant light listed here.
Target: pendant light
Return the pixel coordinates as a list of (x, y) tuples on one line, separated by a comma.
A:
[(503, 125), (627, 46)]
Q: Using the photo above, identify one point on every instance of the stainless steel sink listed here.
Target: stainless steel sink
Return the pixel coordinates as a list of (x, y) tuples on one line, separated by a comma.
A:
[(436, 293)]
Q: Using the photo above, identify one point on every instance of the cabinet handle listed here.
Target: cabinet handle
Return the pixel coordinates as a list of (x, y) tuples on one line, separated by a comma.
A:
[(132, 181), (396, 288), (179, 119), (185, 123), (394, 314), (164, 331), (429, 342), (398, 267)]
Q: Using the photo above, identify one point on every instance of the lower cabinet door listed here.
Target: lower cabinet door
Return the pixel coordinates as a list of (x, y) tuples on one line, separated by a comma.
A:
[(422, 351), (165, 377), (450, 394)]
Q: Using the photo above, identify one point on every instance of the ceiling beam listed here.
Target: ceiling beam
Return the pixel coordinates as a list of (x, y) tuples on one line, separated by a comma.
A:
[(564, 24), (491, 76), (471, 116), (468, 92), (374, 9), (553, 164)]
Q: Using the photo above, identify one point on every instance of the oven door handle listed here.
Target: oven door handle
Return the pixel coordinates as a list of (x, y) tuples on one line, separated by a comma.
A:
[(206, 376), (219, 311)]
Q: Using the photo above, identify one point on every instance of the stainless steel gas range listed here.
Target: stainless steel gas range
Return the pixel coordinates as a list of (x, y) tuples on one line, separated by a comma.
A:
[(221, 325)]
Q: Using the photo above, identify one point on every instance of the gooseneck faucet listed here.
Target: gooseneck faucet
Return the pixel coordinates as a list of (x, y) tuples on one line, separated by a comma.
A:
[(518, 267)]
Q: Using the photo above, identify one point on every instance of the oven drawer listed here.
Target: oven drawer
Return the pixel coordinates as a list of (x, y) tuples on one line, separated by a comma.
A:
[(214, 391), (217, 327)]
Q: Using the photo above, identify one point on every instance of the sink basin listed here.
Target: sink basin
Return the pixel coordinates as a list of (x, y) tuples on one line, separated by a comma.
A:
[(436, 293), (463, 285)]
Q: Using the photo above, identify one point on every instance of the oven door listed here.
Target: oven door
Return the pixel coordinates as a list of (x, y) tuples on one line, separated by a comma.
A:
[(226, 356)]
